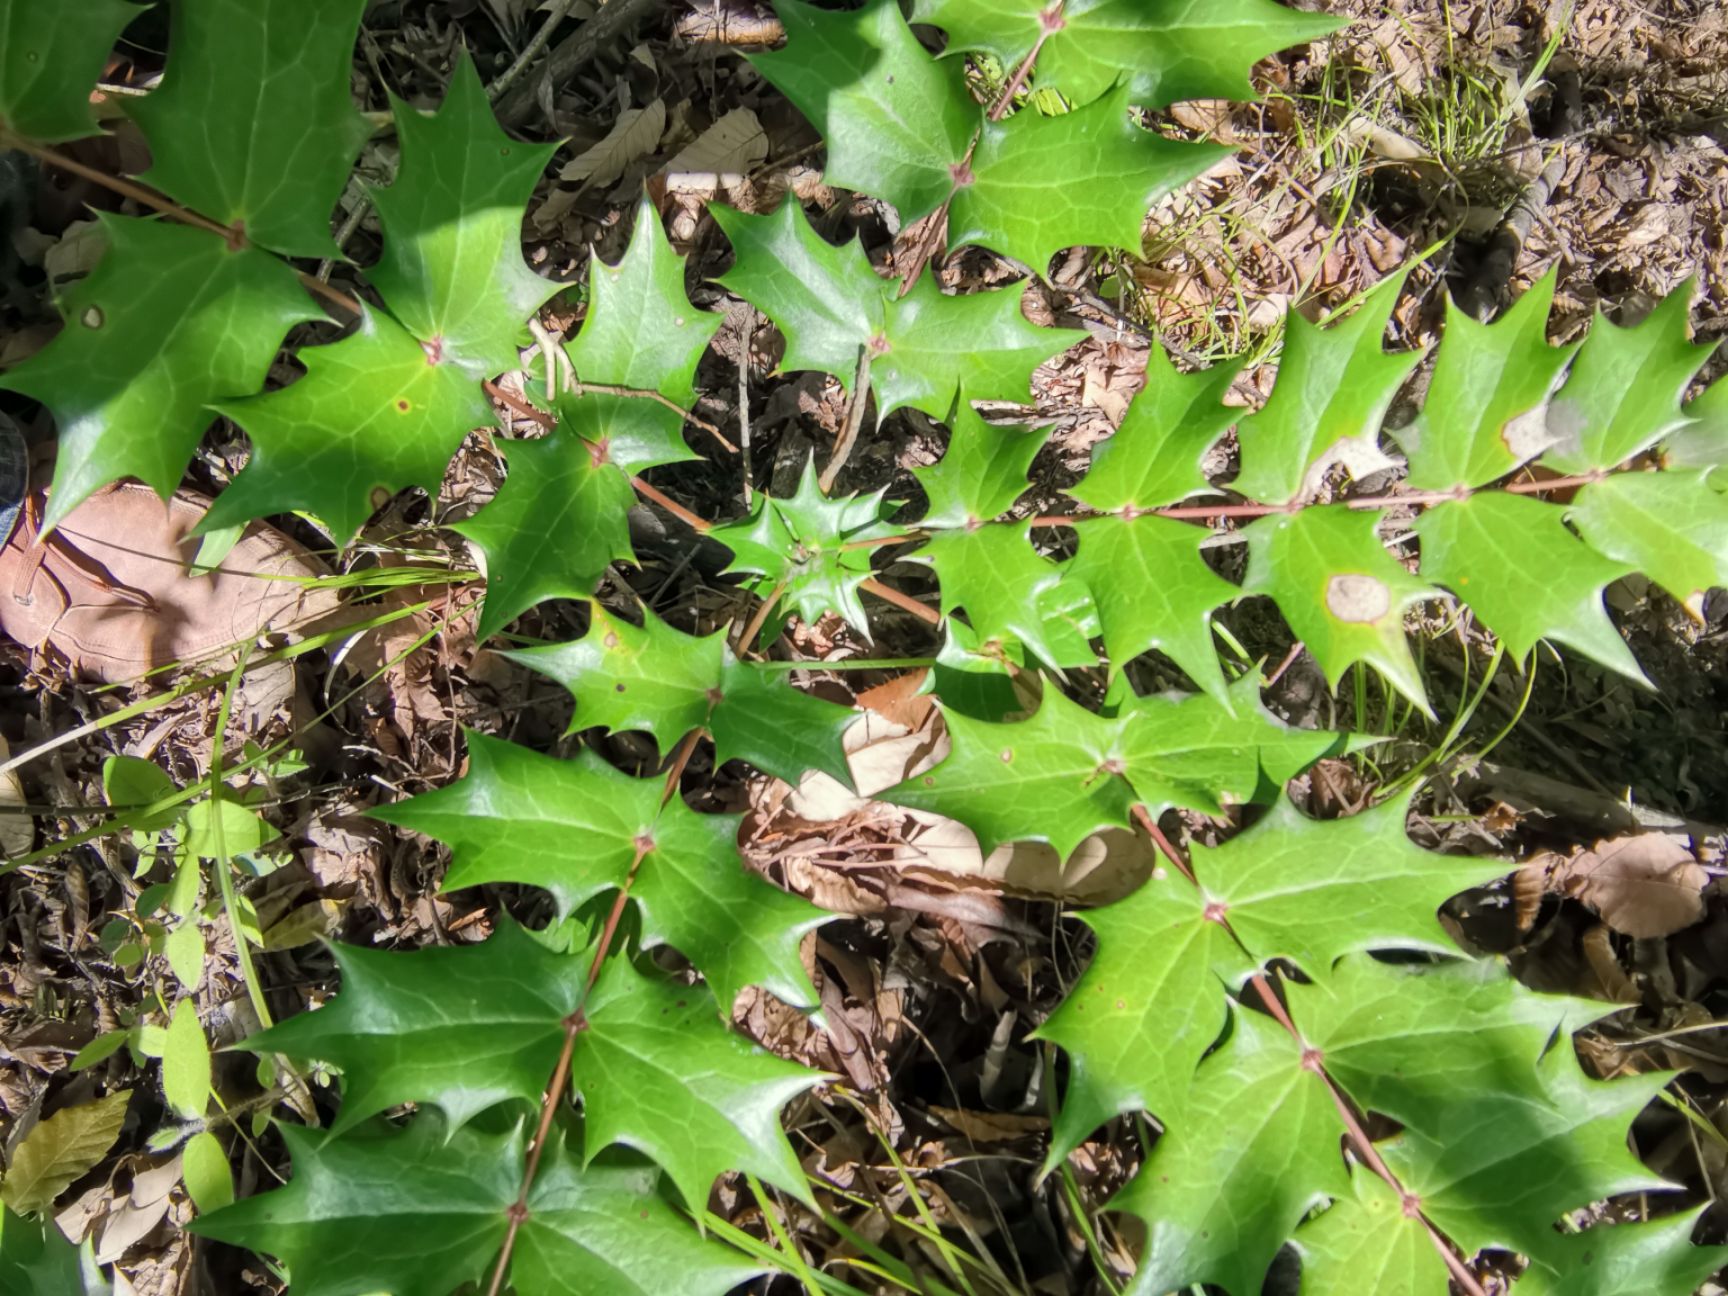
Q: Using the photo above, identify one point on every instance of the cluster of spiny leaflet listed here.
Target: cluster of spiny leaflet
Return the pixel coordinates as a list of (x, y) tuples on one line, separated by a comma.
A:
[(1251, 1076)]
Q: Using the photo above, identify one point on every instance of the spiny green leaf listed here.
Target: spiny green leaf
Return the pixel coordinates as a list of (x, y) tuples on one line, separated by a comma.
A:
[(254, 124), (1154, 458), (658, 1071), (894, 121), (63, 1148), (574, 827), (995, 574), (1703, 441), (1153, 590), (1165, 52), (1365, 1242), (1255, 1151), (130, 394), (1038, 184), (1511, 558), (666, 683), (798, 545), (1486, 411), (925, 347), (369, 417), (555, 525), (451, 269), (1623, 394), (981, 473), (641, 330), (1334, 386), (1624, 1260), (1672, 526), (1341, 592), (462, 1027), (37, 1260), (50, 60)]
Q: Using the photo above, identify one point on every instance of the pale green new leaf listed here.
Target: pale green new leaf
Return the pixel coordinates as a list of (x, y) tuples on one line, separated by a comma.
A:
[(1038, 184), (659, 1071), (982, 472), (61, 1149), (1165, 50), (997, 577), (253, 124), (51, 54), (895, 122), (1341, 592), (1623, 393), (1624, 1260), (1226, 1186), (574, 827), (1672, 526), (452, 270), (1524, 575), (1364, 1242), (641, 330), (1486, 411), (557, 522), (1334, 386), (1154, 458), (171, 320), (369, 417), (666, 683)]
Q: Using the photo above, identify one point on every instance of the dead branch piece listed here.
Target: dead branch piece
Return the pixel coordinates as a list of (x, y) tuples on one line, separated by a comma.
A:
[(574, 53), (854, 421)]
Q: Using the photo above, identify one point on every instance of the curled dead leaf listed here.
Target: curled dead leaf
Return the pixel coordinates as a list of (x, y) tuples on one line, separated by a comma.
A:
[(1646, 884)]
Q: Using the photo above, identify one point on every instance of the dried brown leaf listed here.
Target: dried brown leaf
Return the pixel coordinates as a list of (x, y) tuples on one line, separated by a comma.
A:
[(1646, 884)]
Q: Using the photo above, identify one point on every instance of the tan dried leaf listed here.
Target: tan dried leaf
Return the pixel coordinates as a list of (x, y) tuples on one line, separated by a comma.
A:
[(1646, 884), (731, 146), (635, 135)]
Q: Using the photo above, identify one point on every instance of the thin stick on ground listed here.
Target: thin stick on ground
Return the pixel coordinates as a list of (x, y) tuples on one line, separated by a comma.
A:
[(854, 420)]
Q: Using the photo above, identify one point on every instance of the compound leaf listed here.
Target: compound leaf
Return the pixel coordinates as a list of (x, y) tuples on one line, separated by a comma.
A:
[(1623, 393), (1255, 1151), (996, 575), (1486, 411), (171, 320), (1341, 592), (982, 472), (1525, 575), (369, 418), (641, 330), (1334, 386), (50, 60), (557, 522), (254, 125), (1672, 526), (1039, 184), (1164, 52), (895, 122), (451, 269), (1624, 1260), (659, 1072), (1365, 1242)]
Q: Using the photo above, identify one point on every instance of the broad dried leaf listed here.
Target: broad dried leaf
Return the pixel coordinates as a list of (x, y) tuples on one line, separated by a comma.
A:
[(1645, 885), (61, 1150), (50, 61), (633, 137)]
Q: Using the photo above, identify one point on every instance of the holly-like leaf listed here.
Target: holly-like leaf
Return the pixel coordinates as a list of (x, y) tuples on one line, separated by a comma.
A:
[(130, 394), (1153, 590), (461, 1027), (254, 125), (37, 1260), (666, 683), (50, 61), (1341, 592), (1154, 458), (1511, 558), (1623, 393), (555, 525), (417, 1213), (641, 330), (369, 418), (1365, 1242), (1672, 526), (895, 122), (1038, 184), (659, 1072), (981, 473), (1334, 386), (1703, 441), (996, 575), (1165, 53), (63, 1148), (1486, 411), (799, 546), (452, 270), (1624, 1260), (925, 347), (1256, 1150), (575, 827)]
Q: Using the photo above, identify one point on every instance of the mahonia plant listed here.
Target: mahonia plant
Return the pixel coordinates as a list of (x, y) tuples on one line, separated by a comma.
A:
[(573, 1104)]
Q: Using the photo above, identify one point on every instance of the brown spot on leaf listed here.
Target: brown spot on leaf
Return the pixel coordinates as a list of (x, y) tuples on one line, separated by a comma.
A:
[(1358, 599)]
